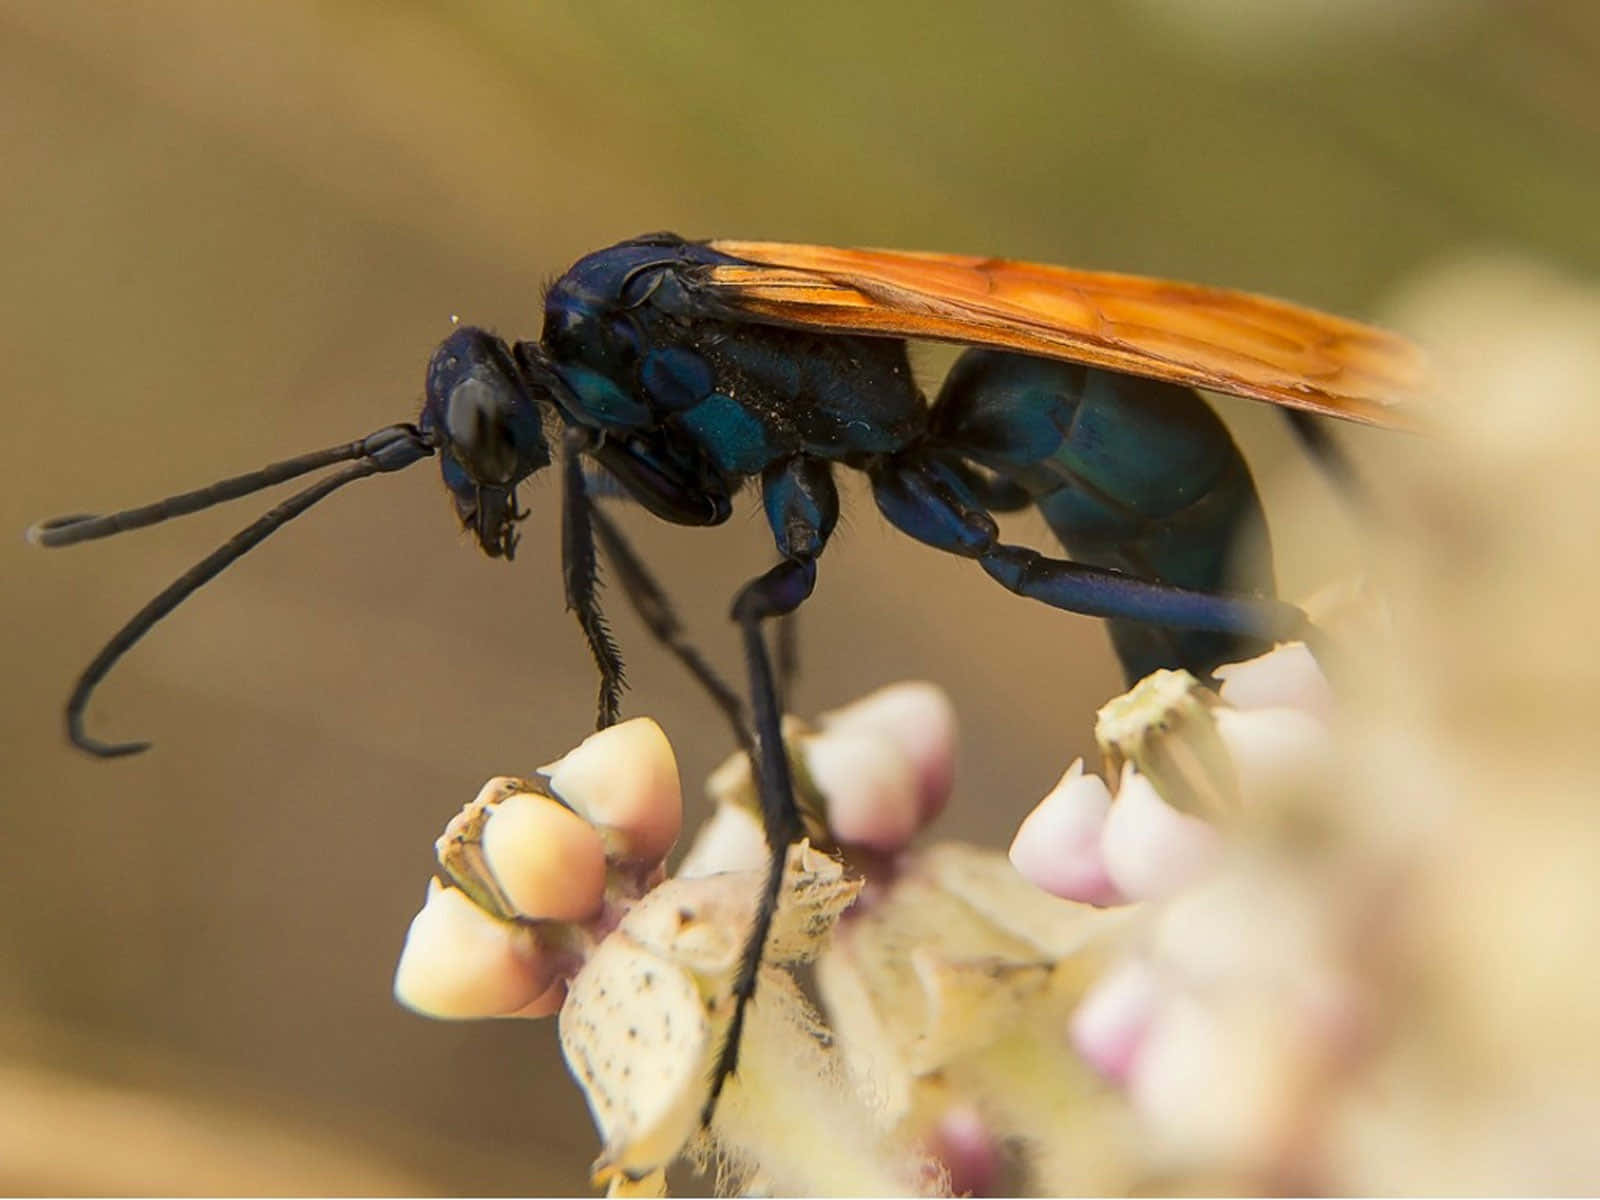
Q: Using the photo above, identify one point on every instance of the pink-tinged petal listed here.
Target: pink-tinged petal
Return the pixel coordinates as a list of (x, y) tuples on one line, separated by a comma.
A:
[(624, 781), (1110, 1025), (1287, 677), (549, 862), (1057, 847), (1275, 750), (969, 1151), (917, 717), (460, 963), (1224, 1089), (547, 1005), (1151, 849), (870, 785), (1177, 1075)]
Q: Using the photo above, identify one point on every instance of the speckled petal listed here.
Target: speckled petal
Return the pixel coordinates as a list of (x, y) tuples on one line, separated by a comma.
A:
[(637, 1036)]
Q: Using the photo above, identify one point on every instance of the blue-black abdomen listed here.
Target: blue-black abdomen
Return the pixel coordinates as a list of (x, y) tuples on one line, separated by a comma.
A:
[(1130, 473), (642, 350)]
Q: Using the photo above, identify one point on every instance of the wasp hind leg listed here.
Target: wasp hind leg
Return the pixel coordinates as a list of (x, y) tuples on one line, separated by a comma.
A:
[(926, 498), (581, 579), (1323, 447)]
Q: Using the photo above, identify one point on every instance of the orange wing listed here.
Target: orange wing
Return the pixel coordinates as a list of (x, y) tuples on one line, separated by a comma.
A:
[(1211, 338)]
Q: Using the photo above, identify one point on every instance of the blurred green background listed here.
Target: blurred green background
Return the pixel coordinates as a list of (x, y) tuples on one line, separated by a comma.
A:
[(235, 232)]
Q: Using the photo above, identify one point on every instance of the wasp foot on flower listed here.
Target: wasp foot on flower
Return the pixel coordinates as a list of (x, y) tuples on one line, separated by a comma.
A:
[(869, 776), (948, 987), (648, 1011)]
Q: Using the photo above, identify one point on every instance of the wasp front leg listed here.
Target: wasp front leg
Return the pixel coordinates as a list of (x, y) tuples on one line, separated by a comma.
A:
[(581, 579), (648, 471), (654, 609)]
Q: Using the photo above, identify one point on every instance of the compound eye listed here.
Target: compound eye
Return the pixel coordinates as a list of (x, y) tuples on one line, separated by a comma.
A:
[(475, 418), (479, 408)]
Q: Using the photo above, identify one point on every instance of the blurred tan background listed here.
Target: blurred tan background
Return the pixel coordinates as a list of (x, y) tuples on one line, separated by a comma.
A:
[(235, 232)]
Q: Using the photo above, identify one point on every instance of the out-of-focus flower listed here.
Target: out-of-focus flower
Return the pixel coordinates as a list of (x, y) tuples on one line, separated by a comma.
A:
[(1381, 981), (1199, 776), (949, 989), (1471, 762), (1272, 34), (1183, 759)]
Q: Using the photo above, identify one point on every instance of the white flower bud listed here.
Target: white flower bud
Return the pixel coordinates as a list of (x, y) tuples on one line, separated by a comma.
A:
[(1109, 1027), (1057, 847), (1275, 750), (919, 718), (1152, 850), (1286, 677), (459, 962), (624, 781), (870, 785), (548, 861), (731, 839)]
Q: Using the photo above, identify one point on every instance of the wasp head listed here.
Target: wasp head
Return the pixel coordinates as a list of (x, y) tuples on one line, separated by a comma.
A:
[(485, 417)]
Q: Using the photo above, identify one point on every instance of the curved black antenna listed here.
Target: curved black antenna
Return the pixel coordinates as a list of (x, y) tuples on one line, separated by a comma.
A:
[(80, 527), (389, 449)]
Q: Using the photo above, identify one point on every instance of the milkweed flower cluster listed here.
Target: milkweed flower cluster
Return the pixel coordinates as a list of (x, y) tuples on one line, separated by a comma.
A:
[(949, 985), (552, 896), (1289, 937), (532, 871)]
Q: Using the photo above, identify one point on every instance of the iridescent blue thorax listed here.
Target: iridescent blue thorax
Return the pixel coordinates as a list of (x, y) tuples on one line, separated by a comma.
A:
[(1132, 474), (641, 350)]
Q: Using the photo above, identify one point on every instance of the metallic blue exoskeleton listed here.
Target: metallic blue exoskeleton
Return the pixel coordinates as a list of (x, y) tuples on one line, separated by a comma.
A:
[(682, 404), (1132, 474), (658, 386)]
